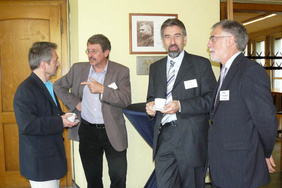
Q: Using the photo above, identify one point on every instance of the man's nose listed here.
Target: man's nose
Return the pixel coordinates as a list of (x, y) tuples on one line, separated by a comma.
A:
[(209, 44), (172, 40)]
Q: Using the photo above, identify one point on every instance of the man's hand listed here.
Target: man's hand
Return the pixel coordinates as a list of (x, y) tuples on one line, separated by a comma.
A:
[(171, 108), (270, 164), (150, 108), (94, 86), (68, 123)]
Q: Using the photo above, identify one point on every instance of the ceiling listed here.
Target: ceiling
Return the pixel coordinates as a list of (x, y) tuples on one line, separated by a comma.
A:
[(265, 24), (261, 25)]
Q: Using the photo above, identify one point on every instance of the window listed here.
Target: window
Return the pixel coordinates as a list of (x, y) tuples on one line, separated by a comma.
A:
[(260, 51), (277, 74)]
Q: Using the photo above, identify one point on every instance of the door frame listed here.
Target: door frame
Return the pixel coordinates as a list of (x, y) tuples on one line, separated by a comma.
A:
[(64, 59)]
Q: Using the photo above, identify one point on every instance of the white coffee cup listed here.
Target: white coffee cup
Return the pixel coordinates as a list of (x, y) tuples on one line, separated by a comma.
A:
[(159, 103), (72, 117)]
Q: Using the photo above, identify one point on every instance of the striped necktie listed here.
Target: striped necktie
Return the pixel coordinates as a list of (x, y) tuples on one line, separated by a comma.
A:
[(169, 86)]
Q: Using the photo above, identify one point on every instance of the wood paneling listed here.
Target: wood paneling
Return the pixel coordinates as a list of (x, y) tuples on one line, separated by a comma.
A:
[(21, 24)]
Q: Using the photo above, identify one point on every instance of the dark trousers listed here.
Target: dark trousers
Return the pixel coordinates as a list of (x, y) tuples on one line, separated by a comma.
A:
[(172, 169), (93, 142), (212, 182)]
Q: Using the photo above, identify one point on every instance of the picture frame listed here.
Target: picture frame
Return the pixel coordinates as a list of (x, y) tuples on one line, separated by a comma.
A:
[(144, 33)]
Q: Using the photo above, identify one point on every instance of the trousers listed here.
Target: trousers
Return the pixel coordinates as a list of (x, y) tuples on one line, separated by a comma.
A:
[(172, 169), (93, 143), (45, 184)]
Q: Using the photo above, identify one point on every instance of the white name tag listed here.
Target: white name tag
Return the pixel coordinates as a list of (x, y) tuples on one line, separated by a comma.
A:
[(190, 84), (224, 95)]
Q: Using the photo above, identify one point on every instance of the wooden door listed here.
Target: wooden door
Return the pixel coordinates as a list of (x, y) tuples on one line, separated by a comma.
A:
[(21, 24)]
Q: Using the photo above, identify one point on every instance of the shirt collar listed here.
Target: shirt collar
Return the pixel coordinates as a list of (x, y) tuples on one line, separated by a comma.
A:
[(48, 83), (230, 60), (177, 60), (103, 72)]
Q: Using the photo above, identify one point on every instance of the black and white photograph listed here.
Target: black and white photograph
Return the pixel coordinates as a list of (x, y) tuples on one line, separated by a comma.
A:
[(144, 33)]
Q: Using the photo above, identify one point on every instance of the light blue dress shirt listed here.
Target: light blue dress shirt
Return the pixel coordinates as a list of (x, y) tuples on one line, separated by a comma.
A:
[(49, 86), (91, 107)]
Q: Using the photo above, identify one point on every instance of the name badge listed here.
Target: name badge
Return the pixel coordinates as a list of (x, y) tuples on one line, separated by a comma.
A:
[(190, 84), (224, 95)]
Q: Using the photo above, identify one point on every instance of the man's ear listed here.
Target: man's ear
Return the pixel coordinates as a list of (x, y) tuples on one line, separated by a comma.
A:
[(43, 65), (107, 52), (185, 40), (231, 40)]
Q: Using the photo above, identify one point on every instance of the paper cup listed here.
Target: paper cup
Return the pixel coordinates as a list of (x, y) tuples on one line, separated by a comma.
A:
[(159, 103), (72, 117)]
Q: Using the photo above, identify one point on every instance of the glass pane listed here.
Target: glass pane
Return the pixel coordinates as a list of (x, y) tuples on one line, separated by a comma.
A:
[(278, 52), (245, 52), (260, 52), (277, 73), (277, 84)]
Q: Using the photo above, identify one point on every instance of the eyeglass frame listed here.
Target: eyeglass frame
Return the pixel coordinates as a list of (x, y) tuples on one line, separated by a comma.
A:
[(214, 38), (91, 51)]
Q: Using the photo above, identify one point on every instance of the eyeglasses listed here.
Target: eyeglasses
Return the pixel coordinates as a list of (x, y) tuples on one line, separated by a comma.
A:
[(91, 51), (214, 38)]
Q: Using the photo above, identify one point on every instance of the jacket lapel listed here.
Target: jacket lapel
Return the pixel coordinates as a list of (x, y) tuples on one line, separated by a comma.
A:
[(230, 74), (109, 74), (162, 73), (183, 69), (232, 71), (83, 77), (43, 88)]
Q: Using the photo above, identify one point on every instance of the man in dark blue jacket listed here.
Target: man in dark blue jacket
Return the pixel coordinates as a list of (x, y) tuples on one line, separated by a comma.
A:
[(41, 121)]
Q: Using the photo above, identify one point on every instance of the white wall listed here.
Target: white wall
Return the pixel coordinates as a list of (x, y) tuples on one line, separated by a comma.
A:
[(111, 18)]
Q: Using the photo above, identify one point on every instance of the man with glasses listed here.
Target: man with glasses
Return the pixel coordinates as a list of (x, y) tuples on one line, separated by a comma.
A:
[(100, 89), (243, 117)]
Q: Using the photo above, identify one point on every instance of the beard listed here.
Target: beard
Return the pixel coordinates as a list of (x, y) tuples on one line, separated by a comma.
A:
[(173, 53), (214, 59)]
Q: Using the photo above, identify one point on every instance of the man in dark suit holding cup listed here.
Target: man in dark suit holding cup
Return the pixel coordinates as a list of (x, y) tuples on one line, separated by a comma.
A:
[(186, 82)]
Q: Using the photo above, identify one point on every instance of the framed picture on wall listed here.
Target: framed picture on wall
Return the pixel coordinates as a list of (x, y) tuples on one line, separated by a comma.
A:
[(144, 33)]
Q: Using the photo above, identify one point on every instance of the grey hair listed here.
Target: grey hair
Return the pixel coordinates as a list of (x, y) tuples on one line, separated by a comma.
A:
[(173, 22), (237, 30), (40, 51)]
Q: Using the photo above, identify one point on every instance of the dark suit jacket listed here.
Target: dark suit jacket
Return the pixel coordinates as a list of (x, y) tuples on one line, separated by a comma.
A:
[(243, 129), (41, 145), (195, 103), (112, 101)]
